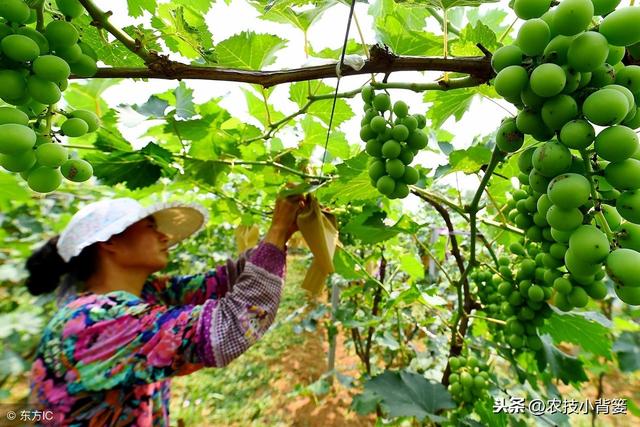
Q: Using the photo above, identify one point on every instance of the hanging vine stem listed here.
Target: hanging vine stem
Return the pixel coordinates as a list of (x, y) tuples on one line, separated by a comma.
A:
[(39, 8), (465, 302), (436, 262), (450, 28), (596, 202)]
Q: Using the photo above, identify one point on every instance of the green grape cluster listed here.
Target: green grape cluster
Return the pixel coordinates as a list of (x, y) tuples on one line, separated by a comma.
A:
[(34, 71), (469, 379), (517, 297), (391, 143), (579, 203)]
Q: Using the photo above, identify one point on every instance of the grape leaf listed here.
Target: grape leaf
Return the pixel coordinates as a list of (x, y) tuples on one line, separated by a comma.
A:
[(627, 349), (469, 160), (567, 368), (488, 416), (315, 136), (88, 96), (200, 6), (137, 7), (189, 130), (203, 170), (10, 190), (346, 267), (392, 31), (185, 31), (590, 335), (258, 109), (153, 108), (353, 47), (135, 169), (494, 18), (352, 185), (369, 226), (111, 52), (282, 12), (412, 266), (366, 402), (184, 102), (448, 103), (249, 50), (299, 93), (405, 393), (470, 35)]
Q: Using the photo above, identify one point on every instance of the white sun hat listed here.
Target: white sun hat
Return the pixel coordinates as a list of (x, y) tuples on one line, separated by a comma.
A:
[(98, 221)]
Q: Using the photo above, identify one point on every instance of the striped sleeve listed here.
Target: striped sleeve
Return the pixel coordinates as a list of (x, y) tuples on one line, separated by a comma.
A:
[(230, 325)]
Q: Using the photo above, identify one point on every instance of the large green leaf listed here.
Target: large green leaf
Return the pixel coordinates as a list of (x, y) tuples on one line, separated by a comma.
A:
[(153, 108), (627, 349), (137, 7), (369, 226), (352, 185), (315, 135), (261, 110), (563, 366), (590, 335), (203, 171), (135, 169), (448, 103), (185, 30), (470, 36), (299, 93), (403, 29), (10, 190), (249, 50), (469, 160), (283, 12), (406, 394), (88, 95)]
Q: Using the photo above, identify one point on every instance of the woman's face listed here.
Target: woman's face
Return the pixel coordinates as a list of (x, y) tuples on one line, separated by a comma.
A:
[(141, 246)]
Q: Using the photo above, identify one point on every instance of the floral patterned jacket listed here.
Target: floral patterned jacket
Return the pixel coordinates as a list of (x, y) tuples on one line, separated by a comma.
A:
[(107, 359)]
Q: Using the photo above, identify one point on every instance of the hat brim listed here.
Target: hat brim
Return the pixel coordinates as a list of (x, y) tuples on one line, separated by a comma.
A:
[(178, 220)]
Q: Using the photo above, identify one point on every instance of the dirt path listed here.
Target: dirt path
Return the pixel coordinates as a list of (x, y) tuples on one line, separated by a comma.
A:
[(304, 365)]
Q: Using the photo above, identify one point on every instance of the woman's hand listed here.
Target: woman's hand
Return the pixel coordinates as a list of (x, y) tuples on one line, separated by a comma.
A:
[(283, 223)]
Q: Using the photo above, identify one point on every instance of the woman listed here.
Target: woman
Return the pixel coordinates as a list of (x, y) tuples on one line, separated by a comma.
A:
[(107, 356)]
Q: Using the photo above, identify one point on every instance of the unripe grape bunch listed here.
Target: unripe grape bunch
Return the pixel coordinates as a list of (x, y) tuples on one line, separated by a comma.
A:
[(579, 203), (469, 379), (517, 297), (34, 70), (393, 137)]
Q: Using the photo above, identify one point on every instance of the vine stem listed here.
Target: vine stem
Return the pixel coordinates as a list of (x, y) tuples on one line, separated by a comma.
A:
[(101, 20), (488, 319), (507, 31), (40, 16), (596, 201), (448, 84), (478, 66), (450, 28), (465, 302)]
